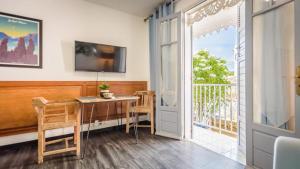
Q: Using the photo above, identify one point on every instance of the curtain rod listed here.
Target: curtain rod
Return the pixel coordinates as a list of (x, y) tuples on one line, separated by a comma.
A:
[(168, 3)]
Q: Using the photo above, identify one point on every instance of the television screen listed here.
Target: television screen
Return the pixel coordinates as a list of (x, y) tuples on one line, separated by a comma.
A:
[(99, 57)]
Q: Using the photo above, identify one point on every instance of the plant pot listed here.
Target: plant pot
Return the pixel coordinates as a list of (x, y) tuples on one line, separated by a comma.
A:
[(103, 91), (108, 95)]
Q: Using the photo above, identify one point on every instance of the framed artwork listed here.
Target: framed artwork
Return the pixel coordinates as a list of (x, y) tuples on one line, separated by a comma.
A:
[(20, 41)]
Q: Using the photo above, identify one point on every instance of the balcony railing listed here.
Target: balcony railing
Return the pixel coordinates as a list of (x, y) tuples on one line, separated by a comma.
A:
[(215, 107)]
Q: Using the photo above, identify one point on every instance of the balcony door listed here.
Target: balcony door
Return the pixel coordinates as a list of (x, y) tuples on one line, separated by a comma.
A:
[(168, 99), (272, 55)]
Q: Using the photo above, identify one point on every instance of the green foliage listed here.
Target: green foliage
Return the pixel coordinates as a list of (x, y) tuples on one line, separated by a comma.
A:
[(104, 86), (208, 69)]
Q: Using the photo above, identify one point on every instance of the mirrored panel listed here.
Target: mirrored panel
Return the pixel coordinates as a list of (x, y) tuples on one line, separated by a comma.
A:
[(274, 68)]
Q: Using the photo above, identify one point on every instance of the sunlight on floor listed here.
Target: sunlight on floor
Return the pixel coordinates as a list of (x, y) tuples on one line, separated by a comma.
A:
[(218, 143)]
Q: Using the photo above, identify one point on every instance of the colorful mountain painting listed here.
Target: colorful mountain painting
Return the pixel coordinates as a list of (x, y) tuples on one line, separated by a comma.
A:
[(19, 41)]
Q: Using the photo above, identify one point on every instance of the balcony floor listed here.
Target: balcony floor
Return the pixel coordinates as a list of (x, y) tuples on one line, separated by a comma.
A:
[(219, 143)]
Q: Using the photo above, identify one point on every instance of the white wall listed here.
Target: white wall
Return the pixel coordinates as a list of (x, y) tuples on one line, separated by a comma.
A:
[(65, 21)]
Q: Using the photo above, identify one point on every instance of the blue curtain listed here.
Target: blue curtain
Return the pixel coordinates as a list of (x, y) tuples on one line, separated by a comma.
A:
[(161, 11)]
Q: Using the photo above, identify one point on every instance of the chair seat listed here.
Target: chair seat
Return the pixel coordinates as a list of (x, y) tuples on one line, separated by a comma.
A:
[(59, 122), (141, 109), (57, 125)]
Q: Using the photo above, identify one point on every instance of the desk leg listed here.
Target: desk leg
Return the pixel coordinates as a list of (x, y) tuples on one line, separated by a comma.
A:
[(127, 116), (88, 132), (81, 126), (121, 116), (117, 114)]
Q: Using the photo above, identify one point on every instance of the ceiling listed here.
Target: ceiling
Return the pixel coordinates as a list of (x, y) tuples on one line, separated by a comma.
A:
[(141, 8)]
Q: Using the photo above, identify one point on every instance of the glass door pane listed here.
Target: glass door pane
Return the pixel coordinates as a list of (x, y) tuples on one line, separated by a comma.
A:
[(169, 31), (169, 75), (274, 68), (169, 62), (165, 26)]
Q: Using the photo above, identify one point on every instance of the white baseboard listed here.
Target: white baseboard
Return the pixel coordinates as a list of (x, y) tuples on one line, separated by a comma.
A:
[(19, 138), (169, 135)]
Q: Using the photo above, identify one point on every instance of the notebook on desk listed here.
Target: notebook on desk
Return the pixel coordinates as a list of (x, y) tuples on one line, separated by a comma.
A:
[(94, 99), (123, 96), (88, 98)]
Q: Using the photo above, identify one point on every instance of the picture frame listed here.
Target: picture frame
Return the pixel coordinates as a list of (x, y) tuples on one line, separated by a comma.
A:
[(20, 41)]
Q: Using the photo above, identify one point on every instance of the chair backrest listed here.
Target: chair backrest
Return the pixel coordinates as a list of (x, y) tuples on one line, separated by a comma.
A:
[(146, 98)]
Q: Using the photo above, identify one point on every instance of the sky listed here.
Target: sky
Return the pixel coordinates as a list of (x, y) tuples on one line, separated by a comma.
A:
[(220, 44), (16, 28)]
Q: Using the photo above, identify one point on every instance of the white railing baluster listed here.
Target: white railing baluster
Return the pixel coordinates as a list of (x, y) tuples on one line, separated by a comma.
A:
[(231, 111), (209, 104), (225, 112), (215, 105), (220, 118), (197, 112), (211, 111), (205, 105), (200, 107)]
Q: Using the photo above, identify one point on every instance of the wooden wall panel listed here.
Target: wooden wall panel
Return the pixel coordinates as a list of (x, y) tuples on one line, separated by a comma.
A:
[(15, 103), (18, 116)]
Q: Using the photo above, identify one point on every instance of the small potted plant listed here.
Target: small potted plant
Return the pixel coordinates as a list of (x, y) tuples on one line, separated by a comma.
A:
[(104, 88)]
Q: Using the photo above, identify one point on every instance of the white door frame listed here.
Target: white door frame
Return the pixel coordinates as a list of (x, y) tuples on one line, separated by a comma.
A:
[(187, 55), (188, 69), (164, 121)]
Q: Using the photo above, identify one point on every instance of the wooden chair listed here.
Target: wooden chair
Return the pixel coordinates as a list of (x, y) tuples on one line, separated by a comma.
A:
[(55, 115), (142, 106)]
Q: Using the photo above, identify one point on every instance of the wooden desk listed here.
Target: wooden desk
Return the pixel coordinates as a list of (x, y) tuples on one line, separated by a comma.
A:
[(94, 100)]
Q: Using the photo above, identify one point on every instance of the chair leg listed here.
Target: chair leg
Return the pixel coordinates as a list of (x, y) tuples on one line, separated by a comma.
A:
[(136, 127), (77, 139), (134, 123), (41, 139), (152, 122), (77, 131), (75, 135)]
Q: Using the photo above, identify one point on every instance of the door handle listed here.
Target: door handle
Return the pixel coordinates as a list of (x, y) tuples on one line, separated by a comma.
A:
[(298, 80)]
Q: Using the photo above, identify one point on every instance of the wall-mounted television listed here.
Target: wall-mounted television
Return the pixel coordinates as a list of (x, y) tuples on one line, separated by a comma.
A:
[(99, 57)]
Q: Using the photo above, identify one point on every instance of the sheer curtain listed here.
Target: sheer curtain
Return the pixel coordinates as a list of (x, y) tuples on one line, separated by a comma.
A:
[(273, 70), (168, 55), (163, 10)]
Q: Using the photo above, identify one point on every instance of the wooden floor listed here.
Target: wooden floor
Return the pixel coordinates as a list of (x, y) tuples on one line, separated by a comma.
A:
[(117, 150)]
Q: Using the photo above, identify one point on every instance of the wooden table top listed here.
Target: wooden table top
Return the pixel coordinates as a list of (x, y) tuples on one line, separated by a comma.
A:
[(94, 99)]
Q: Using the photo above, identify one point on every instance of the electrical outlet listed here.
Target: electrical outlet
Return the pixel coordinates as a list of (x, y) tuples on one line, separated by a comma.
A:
[(96, 123)]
